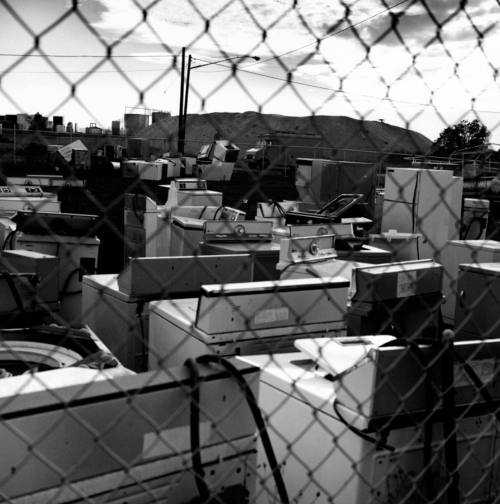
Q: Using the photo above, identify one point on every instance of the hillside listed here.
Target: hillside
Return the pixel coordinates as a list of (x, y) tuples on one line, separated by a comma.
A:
[(243, 128)]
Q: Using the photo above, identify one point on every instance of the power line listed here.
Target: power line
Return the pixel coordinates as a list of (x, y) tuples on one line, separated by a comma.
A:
[(268, 76), (338, 32), (113, 56), (326, 88), (337, 90), (60, 72)]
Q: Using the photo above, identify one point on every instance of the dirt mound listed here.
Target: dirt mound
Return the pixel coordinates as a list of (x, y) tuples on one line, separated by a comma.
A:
[(338, 132)]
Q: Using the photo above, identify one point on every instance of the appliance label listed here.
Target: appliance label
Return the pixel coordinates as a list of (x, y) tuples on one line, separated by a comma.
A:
[(272, 315), (406, 284)]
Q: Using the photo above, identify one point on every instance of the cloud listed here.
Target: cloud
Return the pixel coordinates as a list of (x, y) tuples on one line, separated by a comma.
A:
[(268, 26), (418, 25)]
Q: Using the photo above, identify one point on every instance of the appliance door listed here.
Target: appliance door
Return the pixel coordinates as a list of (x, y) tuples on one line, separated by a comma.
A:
[(399, 216), (401, 185)]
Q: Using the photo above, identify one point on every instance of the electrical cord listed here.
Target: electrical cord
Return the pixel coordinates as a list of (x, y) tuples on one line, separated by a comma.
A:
[(13, 289), (257, 415), (310, 271), (64, 292), (194, 429), (281, 210), (449, 420), (413, 345), (216, 212), (139, 217), (139, 313), (482, 225), (445, 350), (377, 442), (203, 210), (427, 427), (9, 239), (414, 202)]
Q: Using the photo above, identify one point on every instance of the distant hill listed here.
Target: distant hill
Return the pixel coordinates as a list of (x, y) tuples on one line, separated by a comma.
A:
[(338, 132)]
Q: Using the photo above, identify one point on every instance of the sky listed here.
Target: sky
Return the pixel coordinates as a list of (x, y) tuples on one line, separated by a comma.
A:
[(421, 64)]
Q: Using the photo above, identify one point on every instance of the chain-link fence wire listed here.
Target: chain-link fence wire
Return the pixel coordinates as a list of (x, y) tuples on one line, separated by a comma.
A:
[(355, 278)]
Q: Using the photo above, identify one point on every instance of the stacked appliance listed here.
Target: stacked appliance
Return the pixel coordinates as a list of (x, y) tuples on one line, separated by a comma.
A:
[(350, 421), (326, 255), (29, 198), (187, 198), (478, 301), (98, 435), (116, 307), (187, 232), (71, 238), (141, 226), (402, 299), (216, 161), (428, 202), (321, 180), (245, 318), (455, 253), (244, 237), (29, 287)]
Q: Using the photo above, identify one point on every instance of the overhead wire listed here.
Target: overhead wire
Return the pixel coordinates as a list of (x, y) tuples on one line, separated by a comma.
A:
[(244, 68), (159, 70), (113, 56), (337, 32), (338, 90), (327, 88)]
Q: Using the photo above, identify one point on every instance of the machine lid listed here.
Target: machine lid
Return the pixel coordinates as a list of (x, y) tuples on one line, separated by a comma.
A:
[(295, 376), (181, 311), (395, 235), (21, 191), (189, 184), (476, 203), (476, 244), (53, 223), (340, 355), (273, 286), (490, 268), (107, 285), (188, 222)]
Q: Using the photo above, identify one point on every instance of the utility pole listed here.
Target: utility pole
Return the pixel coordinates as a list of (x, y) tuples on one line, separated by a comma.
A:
[(183, 105), (186, 95), (182, 127)]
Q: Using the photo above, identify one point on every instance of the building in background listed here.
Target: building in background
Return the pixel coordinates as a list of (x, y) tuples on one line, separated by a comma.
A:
[(136, 121), (58, 124), (93, 129), (115, 128), (160, 115)]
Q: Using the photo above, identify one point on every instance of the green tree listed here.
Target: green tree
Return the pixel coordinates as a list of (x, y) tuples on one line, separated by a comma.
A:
[(463, 136)]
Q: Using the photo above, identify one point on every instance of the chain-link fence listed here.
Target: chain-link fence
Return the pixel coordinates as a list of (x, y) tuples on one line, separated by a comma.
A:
[(249, 307)]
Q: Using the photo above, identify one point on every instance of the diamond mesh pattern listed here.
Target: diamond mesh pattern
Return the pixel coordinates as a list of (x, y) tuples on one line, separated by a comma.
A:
[(354, 343)]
